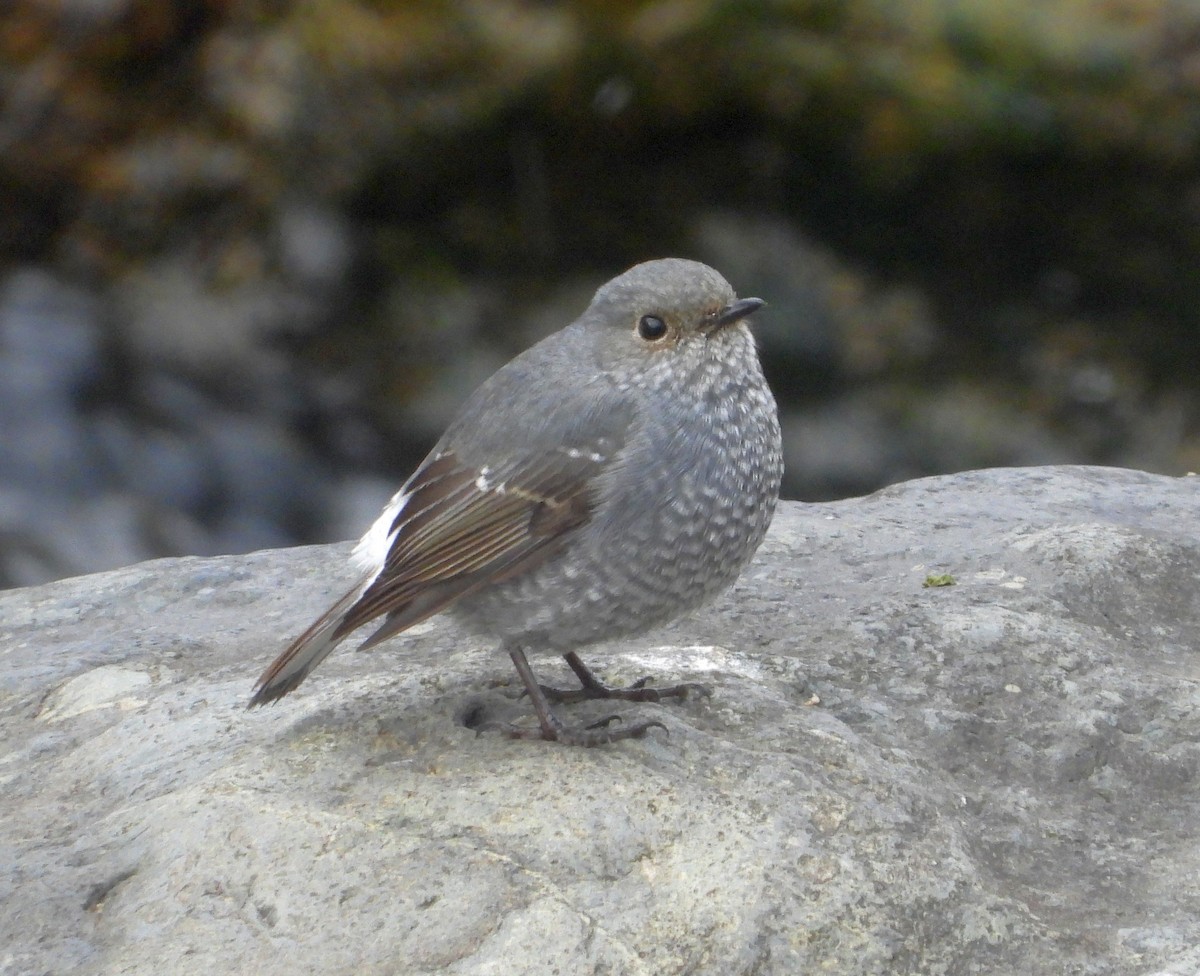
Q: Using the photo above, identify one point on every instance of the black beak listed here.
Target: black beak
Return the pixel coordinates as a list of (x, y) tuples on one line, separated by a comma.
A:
[(738, 311)]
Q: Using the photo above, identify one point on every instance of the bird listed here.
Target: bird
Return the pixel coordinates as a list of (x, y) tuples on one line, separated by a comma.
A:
[(614, 476)]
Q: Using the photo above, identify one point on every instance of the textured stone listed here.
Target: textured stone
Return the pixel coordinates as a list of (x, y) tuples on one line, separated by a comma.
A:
[(997, 776)]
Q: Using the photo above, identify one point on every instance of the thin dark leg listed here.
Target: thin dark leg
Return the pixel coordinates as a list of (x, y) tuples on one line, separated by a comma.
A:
[(593, 687), (551, 727)]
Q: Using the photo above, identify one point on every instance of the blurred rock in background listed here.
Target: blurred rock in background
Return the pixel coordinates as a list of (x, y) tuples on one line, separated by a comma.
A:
[(253, 254)]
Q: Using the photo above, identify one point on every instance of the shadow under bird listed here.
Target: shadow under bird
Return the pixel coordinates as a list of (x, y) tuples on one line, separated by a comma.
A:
[(616, 475)]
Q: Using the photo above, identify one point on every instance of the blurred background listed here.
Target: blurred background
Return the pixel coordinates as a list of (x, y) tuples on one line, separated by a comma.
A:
[(254, 254)]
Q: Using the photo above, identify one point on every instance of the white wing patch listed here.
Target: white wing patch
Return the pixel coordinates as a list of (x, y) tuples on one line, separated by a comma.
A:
[(371, 552), (372, 549), (575, 454)]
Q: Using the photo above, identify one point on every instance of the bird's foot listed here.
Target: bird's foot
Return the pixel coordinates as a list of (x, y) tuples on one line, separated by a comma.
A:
[(639, 691), (550, 726), (553, 730), (592, 687)]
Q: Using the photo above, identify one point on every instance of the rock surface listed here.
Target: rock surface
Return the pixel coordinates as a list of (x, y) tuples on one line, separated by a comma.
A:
[(997, 776)]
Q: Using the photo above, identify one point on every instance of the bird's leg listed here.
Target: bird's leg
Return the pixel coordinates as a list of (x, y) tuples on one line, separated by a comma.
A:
[(552, 728), (593, 687)]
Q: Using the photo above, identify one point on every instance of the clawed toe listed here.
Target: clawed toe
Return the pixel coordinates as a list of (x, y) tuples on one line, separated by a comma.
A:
[(639, 691), (681, 691), (596, 734), (599, 733)]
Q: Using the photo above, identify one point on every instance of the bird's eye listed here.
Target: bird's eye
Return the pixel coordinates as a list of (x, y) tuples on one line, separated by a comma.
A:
[(651, 328)]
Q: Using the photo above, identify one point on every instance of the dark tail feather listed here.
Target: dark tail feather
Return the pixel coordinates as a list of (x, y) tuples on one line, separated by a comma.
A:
[(305, 652), (366, 602)]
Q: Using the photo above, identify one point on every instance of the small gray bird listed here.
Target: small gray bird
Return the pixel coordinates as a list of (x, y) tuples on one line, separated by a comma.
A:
[(616, 475)]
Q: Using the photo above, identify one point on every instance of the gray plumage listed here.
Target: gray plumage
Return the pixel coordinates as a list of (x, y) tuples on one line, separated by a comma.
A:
[(600, 484)]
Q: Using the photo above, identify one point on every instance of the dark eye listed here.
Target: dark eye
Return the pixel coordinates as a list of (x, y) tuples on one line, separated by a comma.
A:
[(651, 327)]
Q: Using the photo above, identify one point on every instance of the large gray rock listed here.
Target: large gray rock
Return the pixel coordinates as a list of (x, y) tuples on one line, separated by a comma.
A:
[(998, 776)]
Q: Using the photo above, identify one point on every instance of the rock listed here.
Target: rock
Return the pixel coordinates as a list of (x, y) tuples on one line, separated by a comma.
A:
[(102, 687), (996, 776), (49, 353), (159, 305)]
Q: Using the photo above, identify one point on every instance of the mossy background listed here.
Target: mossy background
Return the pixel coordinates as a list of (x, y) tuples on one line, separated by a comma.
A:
[(311, 227)]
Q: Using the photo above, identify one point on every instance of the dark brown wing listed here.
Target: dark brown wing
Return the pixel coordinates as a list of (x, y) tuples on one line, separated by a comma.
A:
[(460, 528), (465, 527)]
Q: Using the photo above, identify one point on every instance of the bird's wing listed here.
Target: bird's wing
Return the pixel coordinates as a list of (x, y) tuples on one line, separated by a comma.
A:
[(460, 525), (464, 526)]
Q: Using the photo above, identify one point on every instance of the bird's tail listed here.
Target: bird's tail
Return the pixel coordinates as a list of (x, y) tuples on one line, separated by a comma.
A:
[(305, 652)]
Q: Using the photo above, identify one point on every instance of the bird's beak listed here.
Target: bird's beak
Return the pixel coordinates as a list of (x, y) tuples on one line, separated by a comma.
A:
[(736, 311)]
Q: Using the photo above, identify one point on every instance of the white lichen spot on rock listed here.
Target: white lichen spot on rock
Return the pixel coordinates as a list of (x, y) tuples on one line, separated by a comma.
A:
[(103, 687)]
